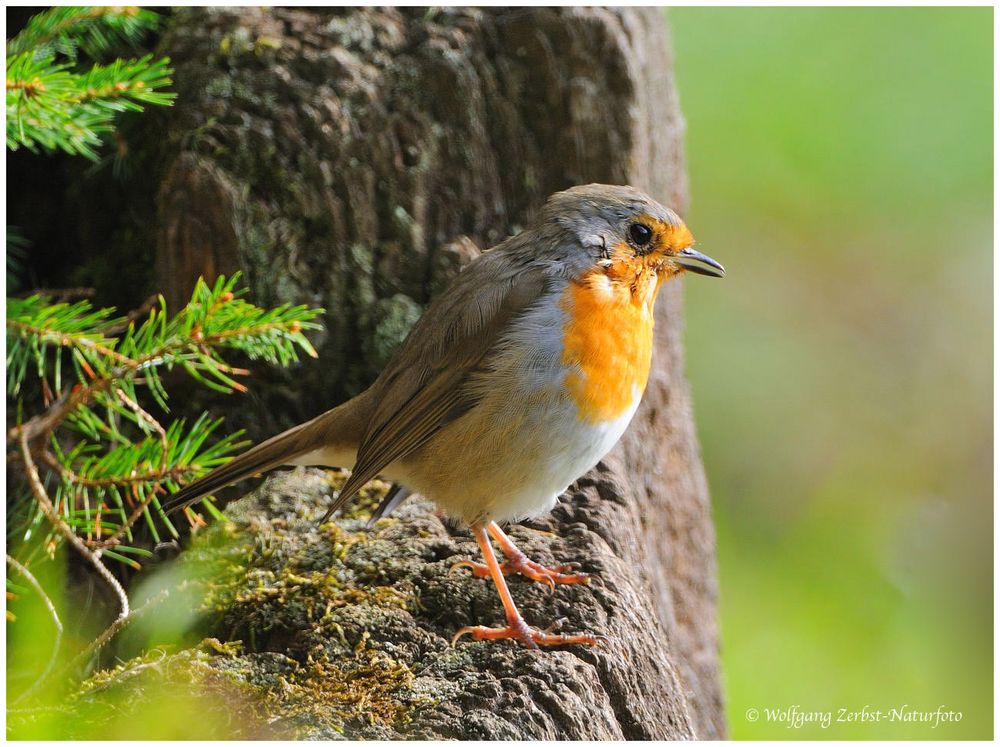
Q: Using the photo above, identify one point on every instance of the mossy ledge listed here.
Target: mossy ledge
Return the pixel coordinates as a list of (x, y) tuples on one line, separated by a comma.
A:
[(342, 631)]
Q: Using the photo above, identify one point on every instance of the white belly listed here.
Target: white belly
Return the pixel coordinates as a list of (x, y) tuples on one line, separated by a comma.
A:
[(575, 448)]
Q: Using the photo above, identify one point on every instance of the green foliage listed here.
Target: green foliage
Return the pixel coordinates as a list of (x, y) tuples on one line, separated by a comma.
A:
[(53, 105), (92, 30), (106, 347), (56, 324), (108, 458), (94, 478)]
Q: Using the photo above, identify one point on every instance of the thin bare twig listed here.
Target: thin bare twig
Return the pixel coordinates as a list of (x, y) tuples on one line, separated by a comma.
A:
[(60, 294), (135, 315), (30, 578), (164, 447), (94, 556), (112, 630), (131, 672), (150, 421), (126, 614)]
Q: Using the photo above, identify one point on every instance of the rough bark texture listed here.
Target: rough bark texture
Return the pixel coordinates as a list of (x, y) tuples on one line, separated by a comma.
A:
[(354, 159)]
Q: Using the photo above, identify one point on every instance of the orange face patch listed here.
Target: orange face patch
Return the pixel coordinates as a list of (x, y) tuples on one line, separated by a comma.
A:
[(608, 338), (667, 237)]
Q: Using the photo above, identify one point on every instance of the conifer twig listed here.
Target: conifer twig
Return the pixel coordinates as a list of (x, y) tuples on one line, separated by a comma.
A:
[(157, 475), (114, 361)]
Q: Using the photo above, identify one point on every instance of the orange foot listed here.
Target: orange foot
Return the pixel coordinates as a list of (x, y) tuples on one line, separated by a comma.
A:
[(518, 630), (516, 627), (518, 562), (530, 569)]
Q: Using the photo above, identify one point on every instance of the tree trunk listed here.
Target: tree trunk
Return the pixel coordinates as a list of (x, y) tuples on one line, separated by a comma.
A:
[(355, 159)]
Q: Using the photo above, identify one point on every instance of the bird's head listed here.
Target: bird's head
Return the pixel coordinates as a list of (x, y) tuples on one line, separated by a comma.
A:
[(621, 229)]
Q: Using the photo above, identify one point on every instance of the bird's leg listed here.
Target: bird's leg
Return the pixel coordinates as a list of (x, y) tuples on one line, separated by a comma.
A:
[(517, 562), (516, 627)]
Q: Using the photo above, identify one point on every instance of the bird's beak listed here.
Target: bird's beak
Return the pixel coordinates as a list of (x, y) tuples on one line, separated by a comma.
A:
[(700, 263)]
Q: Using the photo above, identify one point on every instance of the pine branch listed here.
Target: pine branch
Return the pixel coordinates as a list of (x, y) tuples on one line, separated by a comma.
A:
[(126, 480), (51, 108), (34, 326), (215, 319), (104, 455), (93, 30), (93, 366)]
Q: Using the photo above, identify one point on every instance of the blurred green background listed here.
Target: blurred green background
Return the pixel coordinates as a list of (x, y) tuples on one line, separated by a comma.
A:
[(841, 169)]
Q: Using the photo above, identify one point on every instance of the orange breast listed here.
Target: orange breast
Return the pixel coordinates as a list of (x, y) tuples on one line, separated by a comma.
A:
[(608, 340)]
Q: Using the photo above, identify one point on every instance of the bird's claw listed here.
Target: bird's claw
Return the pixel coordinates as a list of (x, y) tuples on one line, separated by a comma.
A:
[(529, 636), (529, 569), (549, 576), (479, 570), (555, 625)]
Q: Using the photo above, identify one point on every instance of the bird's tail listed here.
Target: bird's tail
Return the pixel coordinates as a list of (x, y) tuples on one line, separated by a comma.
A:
[(264, 456), (341, 425)]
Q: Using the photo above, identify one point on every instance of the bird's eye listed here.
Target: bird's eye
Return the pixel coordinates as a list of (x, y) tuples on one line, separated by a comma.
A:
[(640, 233)]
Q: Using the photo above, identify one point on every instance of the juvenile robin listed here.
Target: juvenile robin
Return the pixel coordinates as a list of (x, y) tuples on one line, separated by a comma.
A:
[(518, 379)]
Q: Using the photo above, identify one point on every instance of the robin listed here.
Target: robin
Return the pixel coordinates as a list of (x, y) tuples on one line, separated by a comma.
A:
[(517, 380)]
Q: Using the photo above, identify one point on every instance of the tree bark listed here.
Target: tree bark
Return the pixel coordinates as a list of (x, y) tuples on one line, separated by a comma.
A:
[(355, 159)]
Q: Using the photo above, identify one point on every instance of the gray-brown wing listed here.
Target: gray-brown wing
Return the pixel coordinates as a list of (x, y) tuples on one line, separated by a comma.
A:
[(421, 389)]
